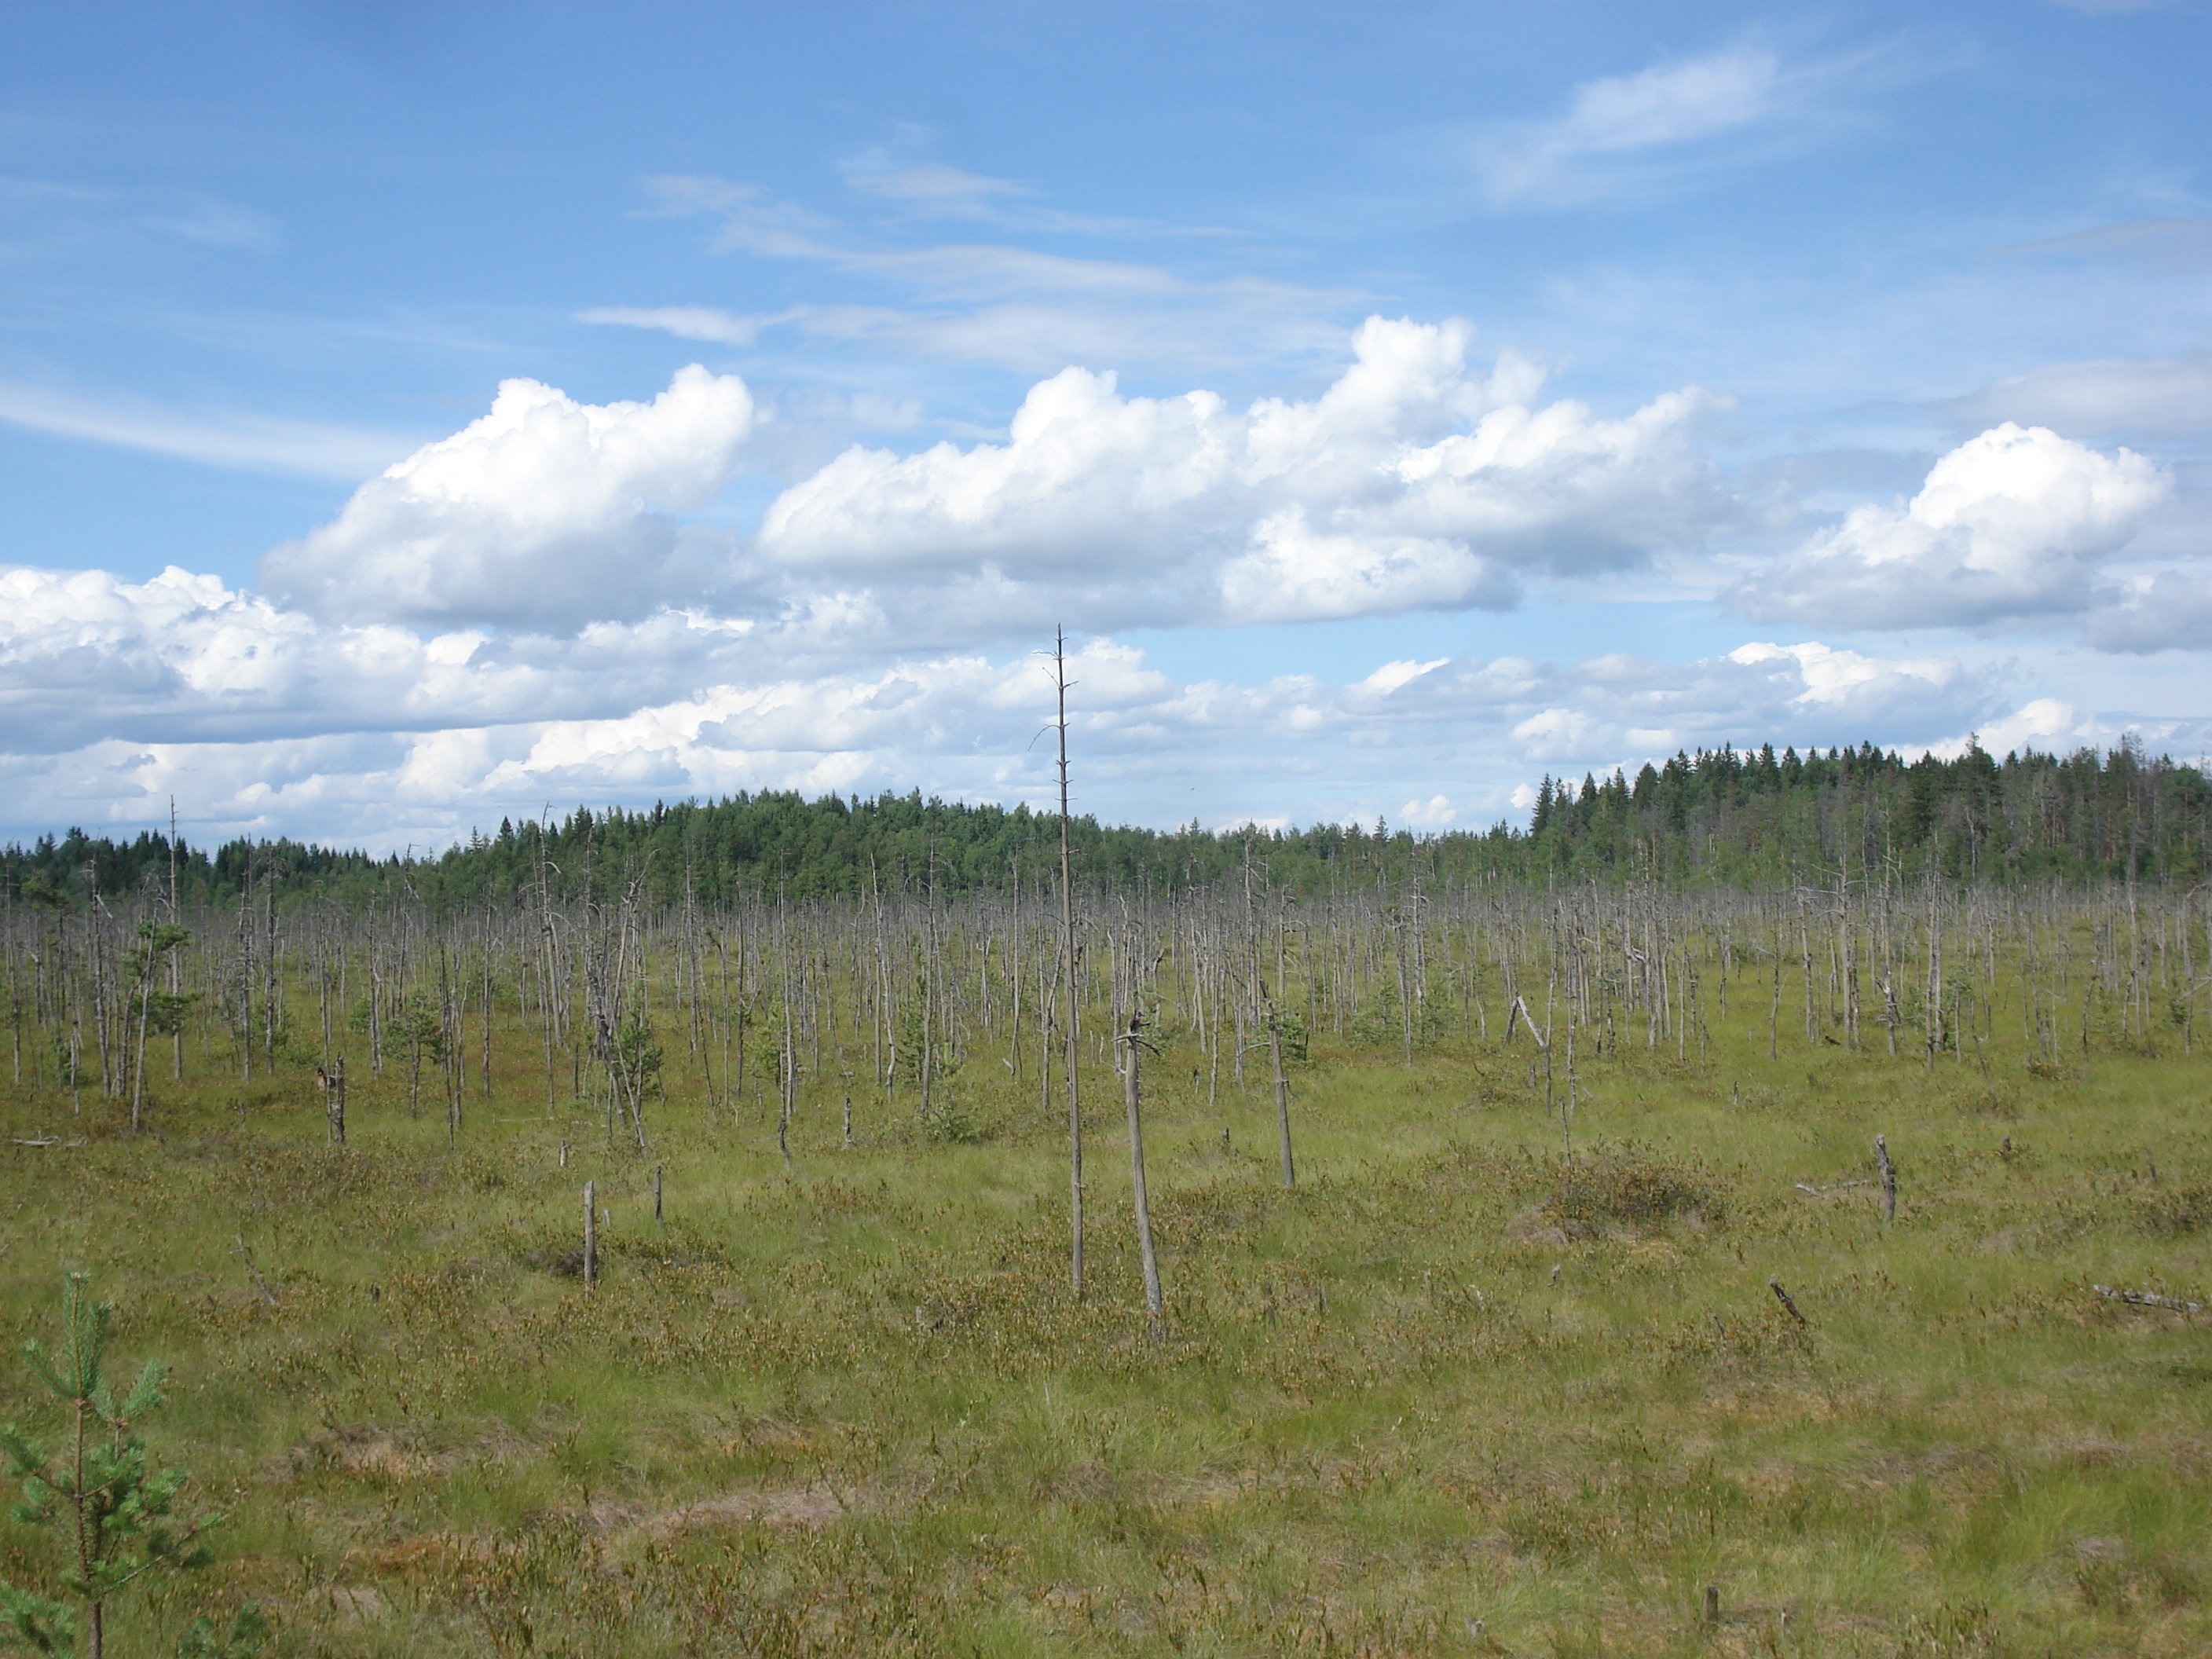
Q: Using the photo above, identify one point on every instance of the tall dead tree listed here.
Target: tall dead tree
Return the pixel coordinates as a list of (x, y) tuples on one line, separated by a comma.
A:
[(1282, 1086), (1068, 937)]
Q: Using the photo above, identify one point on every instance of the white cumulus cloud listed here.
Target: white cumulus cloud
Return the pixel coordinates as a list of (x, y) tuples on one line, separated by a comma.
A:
[(545, 510), (2012, 523), (1829, 677), (1412, 482), (115, 695), (85, 656)]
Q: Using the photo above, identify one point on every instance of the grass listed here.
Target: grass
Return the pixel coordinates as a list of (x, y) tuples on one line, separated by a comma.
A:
[(1449, 1379)]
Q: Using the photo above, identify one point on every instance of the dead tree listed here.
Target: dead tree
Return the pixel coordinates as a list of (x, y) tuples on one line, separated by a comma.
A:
[(1133, 1039), (1067, 933)]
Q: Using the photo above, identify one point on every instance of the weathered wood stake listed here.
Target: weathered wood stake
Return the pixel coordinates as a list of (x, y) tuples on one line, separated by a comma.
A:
[(591, 1234), (254, 1272), (1152, 1305), (1782, 1297), (332, 1083), (1282, 1088), (1888, 1179)]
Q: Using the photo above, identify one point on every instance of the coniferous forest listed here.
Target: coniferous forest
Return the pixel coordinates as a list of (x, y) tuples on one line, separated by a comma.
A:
[(1721, 815)]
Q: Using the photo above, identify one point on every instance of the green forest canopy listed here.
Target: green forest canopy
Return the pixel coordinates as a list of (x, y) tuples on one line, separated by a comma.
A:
[(1722, 814)]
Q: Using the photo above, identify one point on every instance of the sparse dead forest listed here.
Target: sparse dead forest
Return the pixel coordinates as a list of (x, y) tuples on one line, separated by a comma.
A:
[(601, 1253), (897, 994)]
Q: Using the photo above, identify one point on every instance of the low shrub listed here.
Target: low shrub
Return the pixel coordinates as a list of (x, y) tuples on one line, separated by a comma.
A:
[(1624, 1190), (2175, 1209)]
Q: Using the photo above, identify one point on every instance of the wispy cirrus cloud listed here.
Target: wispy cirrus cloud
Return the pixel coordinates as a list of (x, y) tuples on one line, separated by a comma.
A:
[(1016, 307), (2111, 7), (747, 217), (45, 215), (1214, 327), (1561, 162), (706, 323), (224, 438), (927, 186), (751, 221), (1624, 136), (2168, 396), (215, 224), (2176, 242), (915, 187)]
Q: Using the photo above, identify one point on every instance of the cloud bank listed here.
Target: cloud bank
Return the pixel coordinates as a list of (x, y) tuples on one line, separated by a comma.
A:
[(264, 721), (1412, 482), (532, 610), (2169, 397)]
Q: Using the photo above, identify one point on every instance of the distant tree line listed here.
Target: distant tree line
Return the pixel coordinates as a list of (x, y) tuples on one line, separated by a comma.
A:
[(1740, 815), (1717, 815)]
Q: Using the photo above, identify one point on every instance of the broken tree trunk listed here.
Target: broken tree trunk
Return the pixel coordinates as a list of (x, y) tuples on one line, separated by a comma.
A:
[(1135, 1042)]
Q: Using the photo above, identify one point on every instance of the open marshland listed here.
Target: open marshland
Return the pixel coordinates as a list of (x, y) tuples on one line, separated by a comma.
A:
[(1506, 1370)]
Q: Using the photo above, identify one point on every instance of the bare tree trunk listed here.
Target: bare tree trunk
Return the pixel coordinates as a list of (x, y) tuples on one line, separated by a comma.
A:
[(138, 1066), (1135, 1042), (334, 1101), (1067, 930), (1282, 1090), (591, 1234)]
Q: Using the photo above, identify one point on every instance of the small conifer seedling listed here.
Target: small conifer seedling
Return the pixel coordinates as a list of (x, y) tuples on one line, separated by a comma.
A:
[(102, 1492)]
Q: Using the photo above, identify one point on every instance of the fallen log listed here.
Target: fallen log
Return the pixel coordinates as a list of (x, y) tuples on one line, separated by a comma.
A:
[(2149, 1299)]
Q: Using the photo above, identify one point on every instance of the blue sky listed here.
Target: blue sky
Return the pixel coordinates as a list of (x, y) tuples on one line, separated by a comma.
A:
[(411, 415)]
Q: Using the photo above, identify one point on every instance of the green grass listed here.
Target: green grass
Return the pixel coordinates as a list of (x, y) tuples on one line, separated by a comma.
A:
[(853, 1408)]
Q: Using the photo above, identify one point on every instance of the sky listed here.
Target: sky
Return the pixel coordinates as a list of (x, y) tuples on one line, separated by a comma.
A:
[(417, 415)]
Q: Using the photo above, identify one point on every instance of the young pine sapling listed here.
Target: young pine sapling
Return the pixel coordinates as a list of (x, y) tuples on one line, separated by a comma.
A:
[(102, 1493)]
